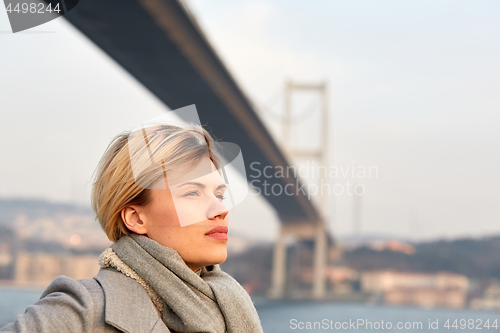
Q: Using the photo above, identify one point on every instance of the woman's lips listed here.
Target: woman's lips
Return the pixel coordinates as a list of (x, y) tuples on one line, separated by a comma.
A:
[(219, 232)]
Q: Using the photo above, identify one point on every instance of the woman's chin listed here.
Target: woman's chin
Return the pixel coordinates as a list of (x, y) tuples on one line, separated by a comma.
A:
[(217, 257)]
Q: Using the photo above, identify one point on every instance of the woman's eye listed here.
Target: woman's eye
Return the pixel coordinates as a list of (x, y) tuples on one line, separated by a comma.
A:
[(221, 197), (191, 194)]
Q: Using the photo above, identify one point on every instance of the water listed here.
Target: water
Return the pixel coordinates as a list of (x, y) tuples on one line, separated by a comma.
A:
[(281, 316), (278, 317), (15, 301)]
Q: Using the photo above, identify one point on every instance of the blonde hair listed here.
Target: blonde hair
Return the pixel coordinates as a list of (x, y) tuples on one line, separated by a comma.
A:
[(115, 186)]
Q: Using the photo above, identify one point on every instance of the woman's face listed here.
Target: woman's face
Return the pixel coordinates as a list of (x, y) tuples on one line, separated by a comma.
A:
[(182, 216)]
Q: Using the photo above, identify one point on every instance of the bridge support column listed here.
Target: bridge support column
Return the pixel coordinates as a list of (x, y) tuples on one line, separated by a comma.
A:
[(279, 267), (319, 262)]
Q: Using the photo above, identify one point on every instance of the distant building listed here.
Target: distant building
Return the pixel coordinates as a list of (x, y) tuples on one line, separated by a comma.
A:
[(39, 269), (490, 301), (393, 245), (8, 247), (441, 289), (342, 278), (340, 274), (60, 228), (5, 255)]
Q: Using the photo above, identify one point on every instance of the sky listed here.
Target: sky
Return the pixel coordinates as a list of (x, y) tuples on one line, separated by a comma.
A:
[(412, 90)]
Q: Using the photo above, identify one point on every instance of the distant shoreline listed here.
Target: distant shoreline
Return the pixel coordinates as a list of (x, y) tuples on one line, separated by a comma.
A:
[(12, 284)]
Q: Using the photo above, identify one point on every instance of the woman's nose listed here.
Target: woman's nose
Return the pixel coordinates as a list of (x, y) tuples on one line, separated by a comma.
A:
[(217, 208)]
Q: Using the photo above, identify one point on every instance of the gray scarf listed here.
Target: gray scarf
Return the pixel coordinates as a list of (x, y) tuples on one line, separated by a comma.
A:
[(208, 301)]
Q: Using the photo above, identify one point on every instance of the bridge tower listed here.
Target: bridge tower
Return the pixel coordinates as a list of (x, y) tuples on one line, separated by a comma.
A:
[(315, 230)]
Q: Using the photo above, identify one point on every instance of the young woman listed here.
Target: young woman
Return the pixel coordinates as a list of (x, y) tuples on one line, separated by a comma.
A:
[(164, 213)]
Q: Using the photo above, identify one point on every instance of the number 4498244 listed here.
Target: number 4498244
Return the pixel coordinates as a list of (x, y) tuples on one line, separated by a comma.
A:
[(471, 324), (33, 8)]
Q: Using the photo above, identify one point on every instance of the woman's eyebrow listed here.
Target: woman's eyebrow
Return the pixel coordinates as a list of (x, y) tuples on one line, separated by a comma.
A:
[(221, 186), (192, 183)]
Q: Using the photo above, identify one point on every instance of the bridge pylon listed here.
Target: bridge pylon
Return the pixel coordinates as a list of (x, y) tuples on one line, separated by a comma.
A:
[(314, 229)]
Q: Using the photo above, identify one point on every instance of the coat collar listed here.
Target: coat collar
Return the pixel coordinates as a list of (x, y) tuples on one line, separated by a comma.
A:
[(127, 305)]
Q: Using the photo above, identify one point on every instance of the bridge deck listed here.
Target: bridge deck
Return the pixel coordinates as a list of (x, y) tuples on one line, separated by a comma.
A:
[(160, 44)]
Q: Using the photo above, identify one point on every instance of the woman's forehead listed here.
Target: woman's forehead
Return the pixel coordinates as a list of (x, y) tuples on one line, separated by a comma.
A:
[(204, 171)]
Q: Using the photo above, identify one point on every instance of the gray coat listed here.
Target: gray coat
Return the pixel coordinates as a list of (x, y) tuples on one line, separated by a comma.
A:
[(109, 302)]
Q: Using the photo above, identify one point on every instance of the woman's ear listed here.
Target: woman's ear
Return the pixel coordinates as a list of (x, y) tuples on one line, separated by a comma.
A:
[(132, 220)]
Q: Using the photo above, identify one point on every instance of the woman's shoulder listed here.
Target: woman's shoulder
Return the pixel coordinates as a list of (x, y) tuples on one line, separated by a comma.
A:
[(108, 279), (108, 302), (118, 301), (66, 305), (86, 290)]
